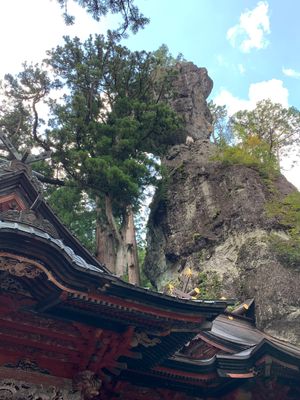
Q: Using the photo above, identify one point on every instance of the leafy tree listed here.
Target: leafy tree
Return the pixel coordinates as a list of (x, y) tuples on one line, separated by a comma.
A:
[(220, 120), (272, 124), (130, 14), (19, 112), (80, 217), (251, 152), (106, 134)]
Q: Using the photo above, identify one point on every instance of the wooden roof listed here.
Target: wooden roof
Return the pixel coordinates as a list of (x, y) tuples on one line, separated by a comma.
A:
[(60, 304)]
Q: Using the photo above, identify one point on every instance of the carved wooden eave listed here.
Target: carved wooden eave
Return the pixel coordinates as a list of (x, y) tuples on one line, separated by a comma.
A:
[(66, 263), (71, 329), (25, 190), (63, 313)]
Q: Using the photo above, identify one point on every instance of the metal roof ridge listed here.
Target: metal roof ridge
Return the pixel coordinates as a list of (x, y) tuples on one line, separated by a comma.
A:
[(58, 242)]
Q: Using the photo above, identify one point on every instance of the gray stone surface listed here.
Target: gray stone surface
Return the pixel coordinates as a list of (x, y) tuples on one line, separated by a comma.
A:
[(212, 218), (192, 86)]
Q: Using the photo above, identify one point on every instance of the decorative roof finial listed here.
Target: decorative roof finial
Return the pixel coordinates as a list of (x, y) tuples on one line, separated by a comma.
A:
[(26, 158)]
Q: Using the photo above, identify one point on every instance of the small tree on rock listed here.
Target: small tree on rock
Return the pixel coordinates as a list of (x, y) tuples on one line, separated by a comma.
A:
[(275, 126)]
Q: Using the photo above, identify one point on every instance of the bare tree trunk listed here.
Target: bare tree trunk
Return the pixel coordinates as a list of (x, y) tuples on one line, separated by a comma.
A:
[(105, 240), (132, 251), (105, 251), (214, 137), (278, 157), (115, 247), (121, 260), (121, 264)]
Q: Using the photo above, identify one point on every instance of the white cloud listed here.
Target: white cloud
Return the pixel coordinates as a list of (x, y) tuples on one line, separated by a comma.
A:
[(38, 26), (291, 73), (272, 89), (232, 103), (250, 32), (221, 61), (241, 69)]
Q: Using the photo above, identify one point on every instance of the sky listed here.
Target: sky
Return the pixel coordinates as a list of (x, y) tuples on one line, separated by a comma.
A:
[(251, 49)]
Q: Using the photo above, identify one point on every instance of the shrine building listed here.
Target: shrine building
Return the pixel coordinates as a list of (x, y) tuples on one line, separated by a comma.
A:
[(70, 330)]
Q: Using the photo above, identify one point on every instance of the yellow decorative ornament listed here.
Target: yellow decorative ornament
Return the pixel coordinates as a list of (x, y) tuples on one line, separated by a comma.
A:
[(188, 272), (170, 288)]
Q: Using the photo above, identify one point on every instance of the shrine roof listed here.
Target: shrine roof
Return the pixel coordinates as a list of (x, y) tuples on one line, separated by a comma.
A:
[(253, 349), (48, 231), (65, 281), (27, 229), (17, 180), (242, 352)]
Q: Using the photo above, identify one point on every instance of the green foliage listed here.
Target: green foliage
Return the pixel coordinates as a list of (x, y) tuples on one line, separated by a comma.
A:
[(253, 152), (131, 17), (106, 132), (77, 211), (221, 129), (256, 138), (46, 169), (110, 123), (276, 126), (287, 212), (196, 237), (232, 307), (288, 251), (209, 285), (165, 58), (18, 113)]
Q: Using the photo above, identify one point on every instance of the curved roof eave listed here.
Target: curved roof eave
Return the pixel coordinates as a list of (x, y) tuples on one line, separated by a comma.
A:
[(63, 263)]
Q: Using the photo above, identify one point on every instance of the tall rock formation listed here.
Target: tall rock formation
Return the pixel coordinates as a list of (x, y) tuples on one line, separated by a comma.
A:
[(191, 89), (211, 219)]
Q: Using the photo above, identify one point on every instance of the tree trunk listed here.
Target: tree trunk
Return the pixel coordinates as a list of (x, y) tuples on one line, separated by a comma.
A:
[(105, 239), (117, 248), (132, 251), (121, 263)]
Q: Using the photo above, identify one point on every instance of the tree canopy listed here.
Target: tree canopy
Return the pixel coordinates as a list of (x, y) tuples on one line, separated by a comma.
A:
[(221, 129), (110, 119), (131, 16), (260, 137), (277, 127), (106, 131)]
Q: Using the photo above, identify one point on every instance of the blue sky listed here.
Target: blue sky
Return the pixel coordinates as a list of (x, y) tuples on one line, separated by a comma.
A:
[(251, 49), (246, 45), (241, 43)]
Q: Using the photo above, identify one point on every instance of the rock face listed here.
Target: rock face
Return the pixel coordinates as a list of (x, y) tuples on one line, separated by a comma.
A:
[(212, 219), (192, 87)]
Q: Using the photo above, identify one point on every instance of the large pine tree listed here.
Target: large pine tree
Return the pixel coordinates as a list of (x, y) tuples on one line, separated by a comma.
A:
[(106, 133)]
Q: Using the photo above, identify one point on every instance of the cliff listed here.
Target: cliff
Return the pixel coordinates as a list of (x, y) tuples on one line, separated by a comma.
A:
[(211, 219)]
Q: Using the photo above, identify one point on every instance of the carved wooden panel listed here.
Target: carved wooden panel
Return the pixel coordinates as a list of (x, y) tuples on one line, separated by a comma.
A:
[(11, 389), (19, 268), (11, 202), (10, 284)]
